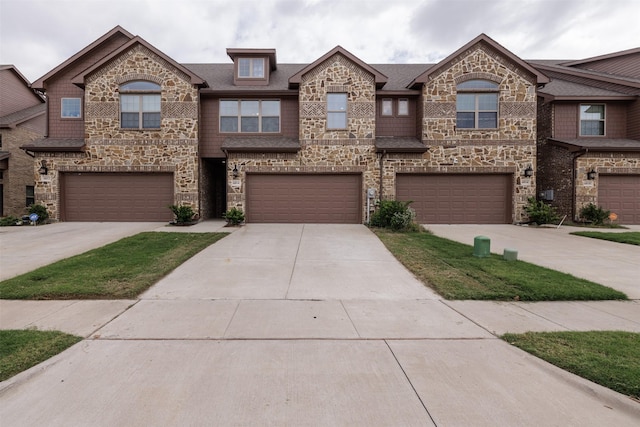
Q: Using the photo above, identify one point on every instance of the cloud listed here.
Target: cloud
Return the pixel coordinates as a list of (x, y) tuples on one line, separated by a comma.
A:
[(38, 35)]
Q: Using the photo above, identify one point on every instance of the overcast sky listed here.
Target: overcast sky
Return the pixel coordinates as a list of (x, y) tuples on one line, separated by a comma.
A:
[(38, 35)]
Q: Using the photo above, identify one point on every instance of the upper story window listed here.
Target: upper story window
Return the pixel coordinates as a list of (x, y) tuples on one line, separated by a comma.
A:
[(71, 108), (591, 119), (140, 105), (252, 68), (403, 107), (477, 105), (336, 111), (387, 107), (240, 115)]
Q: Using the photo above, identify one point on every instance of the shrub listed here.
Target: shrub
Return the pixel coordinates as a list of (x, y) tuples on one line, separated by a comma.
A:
[(395, 215), (8, 221), (184, 213), (594, 214), (540, 212), (234, 216), (41, 211)]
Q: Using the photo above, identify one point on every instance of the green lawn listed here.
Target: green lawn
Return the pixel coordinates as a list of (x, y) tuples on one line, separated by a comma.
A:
[(451, 269), (120, 270), (609, 358), (20, 350), (629, 237)]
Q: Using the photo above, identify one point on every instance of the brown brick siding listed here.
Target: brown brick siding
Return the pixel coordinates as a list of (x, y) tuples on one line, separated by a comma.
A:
[(395, 125)]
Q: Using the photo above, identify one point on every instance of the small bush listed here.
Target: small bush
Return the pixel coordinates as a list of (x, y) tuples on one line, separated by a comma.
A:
[(540, 212), (594, 214), (9, 221), (41, 211), (184, 213), (234, 216), (395, 215)]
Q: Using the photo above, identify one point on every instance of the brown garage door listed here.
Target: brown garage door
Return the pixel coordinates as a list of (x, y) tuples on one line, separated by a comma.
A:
[(293, 198), (457, 199), (621, 194), (117, 196)]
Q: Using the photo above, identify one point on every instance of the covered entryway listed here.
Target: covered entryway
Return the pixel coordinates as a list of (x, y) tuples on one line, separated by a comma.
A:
[(304, 198), (117, 196), (620, 194), (457, 198)]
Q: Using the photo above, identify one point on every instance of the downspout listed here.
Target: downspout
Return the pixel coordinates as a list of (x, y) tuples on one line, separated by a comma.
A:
[(574, 173)]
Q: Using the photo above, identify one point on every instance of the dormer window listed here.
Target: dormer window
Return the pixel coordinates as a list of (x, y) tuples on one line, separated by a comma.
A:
[(251, 68)]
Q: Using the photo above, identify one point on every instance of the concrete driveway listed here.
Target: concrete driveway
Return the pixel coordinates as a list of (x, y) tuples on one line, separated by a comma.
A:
[(300, 325)]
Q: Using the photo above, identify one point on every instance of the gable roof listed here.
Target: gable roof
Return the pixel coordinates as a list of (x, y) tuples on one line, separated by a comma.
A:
[(379, 78), (79, 79), (615, 57), (117, 30), (482, 38), (12, 68)]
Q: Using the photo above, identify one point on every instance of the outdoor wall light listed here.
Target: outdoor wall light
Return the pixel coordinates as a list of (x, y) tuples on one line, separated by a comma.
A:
[(235, 171), (43, 168), (591, 174), (528, 172)]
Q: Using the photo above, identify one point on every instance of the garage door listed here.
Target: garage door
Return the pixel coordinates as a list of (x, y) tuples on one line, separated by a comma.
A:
[(621, 194), (293, 198), (117, 196), (457, 199)]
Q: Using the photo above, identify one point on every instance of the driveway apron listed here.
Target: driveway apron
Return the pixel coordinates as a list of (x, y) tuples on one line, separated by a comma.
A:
[(309, 325)]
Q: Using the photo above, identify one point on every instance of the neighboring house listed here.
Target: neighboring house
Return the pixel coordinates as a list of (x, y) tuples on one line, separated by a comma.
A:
[(22, 120), (589, 135), (132, 131)]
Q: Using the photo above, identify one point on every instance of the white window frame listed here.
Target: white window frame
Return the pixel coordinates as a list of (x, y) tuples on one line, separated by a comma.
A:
[(66, 108), (603, 120)]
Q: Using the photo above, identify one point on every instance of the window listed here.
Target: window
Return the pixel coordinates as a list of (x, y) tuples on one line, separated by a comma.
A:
[(387, 107), (250, 115), (403, 107), (592, 120), (336, 110), (140, 105), (31, 195), (251, 68), (71, 108), (477, 105)]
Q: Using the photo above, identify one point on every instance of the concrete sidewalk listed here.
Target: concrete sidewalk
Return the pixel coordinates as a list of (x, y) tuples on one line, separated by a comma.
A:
[(305, 325)]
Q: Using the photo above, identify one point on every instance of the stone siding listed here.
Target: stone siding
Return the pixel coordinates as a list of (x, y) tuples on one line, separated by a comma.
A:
[(20, 172), (602, 163), (109, 148)]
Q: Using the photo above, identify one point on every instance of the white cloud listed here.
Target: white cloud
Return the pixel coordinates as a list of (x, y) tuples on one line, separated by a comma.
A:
[(38, 35)]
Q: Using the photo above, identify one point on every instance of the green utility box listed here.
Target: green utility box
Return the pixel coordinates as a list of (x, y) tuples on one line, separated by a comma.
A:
[(481, 246), (510, 254)]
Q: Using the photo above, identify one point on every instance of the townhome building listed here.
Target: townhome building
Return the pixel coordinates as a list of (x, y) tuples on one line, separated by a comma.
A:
[(131, 131), (589, 135), (22, 120)]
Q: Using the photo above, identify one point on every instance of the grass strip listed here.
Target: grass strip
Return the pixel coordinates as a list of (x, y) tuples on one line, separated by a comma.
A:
[(628, 237), (119, 270), (22, 349), (451, 270), (608, 358)]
